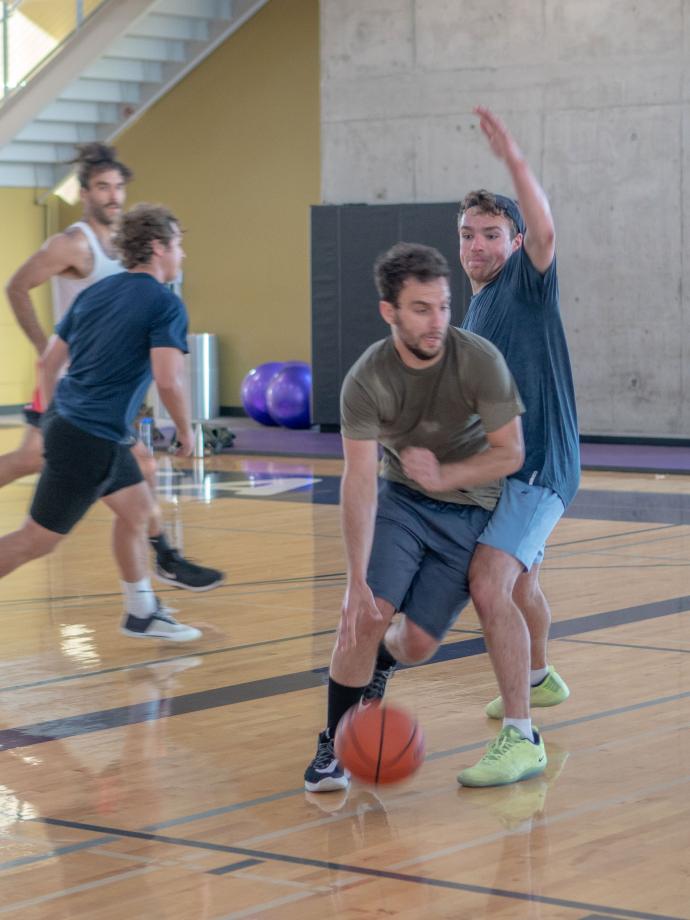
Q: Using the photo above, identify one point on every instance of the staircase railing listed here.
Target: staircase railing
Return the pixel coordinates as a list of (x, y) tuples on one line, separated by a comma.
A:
[(31, 31)]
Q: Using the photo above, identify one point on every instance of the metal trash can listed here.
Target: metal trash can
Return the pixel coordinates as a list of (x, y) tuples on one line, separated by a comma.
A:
[(201, 379)]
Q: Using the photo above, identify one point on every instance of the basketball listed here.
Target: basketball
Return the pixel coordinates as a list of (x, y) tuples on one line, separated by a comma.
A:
[(379, 744)]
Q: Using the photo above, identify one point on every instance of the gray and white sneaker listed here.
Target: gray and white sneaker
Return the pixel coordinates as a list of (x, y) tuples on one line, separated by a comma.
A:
[(160, 625)]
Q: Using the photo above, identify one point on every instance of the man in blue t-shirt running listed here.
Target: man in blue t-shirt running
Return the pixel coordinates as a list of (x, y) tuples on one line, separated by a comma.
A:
[(508, 252), (117, 334)]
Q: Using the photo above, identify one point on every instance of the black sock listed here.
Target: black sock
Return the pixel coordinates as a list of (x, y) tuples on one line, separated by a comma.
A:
[(161, 547), (384, 659), (340, 699)]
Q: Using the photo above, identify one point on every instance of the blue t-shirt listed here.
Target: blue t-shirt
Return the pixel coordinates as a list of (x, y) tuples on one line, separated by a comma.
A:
[(519, 312), (110, 329)]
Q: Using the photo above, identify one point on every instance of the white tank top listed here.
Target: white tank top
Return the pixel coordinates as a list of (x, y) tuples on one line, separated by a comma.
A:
[(65, 290)]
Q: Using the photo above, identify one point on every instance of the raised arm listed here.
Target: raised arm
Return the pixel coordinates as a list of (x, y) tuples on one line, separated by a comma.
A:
[(358, 500), (57, 255), (540, 238), (504, 455), (168, 372)]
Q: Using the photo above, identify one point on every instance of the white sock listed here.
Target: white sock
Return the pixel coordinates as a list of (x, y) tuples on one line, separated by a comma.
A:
[(537, 676), (140, 601), (524, 726)]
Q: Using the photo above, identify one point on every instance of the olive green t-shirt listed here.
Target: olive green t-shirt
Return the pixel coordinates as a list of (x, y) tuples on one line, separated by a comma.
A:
[(447, 408)]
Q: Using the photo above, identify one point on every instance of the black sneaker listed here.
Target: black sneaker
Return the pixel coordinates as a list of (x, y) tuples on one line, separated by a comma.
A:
[(324, 773), (160, 625), (180, 572), (376, 687)]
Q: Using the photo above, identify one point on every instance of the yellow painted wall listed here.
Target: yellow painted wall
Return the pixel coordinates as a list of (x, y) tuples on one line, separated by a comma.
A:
[(234, 150), (23, 228)]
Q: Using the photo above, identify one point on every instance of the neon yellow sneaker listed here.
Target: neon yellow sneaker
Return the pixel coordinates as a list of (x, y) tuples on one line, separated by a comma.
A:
[(509, 758), (550, 692)]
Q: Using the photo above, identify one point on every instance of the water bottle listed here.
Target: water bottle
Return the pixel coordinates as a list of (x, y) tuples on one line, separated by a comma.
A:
[(146, 434)]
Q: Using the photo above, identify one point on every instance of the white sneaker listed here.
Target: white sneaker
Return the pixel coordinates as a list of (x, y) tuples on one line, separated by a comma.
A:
[(160, 625)]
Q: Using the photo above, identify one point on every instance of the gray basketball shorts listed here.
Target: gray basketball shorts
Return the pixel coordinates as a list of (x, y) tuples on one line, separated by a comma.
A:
[(421, 555)]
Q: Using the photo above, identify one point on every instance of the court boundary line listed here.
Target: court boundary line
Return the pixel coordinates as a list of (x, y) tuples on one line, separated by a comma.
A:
[(365, 871)]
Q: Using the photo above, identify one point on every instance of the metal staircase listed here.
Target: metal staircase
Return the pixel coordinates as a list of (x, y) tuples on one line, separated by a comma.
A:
[(123, 58)]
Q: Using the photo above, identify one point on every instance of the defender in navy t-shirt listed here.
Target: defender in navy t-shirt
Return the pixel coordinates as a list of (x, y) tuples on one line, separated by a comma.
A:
[(110, 329), (508, 253), (519, 312)]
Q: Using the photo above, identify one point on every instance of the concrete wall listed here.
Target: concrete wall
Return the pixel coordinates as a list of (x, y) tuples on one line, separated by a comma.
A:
[(598, 94)]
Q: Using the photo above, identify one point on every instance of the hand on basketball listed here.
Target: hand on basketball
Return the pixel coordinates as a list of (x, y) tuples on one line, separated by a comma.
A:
[(185, 443), (358, 608), (500, 139), (422, 466)]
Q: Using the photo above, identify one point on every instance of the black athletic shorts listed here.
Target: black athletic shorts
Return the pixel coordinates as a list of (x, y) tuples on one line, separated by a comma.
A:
[(79, 469)]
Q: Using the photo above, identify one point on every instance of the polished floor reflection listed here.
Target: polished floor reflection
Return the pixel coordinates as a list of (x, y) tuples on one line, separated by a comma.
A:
[(156, 781)]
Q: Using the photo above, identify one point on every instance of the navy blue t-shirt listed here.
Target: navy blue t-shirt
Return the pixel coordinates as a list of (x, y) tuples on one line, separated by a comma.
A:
[(110, 329), (519, 312)]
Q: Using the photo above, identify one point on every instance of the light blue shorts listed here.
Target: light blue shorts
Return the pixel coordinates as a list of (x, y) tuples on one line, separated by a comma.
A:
[(522, 521)]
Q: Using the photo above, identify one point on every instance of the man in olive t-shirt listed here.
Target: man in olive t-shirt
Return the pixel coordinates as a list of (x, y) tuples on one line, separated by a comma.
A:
[(444, 407)]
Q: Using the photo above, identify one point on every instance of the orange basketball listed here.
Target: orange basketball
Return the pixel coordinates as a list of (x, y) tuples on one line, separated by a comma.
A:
[(379, 743)]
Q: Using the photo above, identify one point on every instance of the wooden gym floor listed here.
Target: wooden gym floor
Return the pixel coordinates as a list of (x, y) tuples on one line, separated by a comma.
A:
[(147, 780)]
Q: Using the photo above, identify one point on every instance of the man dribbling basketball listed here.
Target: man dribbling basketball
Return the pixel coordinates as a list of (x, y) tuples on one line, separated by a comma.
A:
[(444, 407)]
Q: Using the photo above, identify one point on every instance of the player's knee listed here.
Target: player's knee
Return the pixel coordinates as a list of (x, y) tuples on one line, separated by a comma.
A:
[(33, 544), (415, 645)]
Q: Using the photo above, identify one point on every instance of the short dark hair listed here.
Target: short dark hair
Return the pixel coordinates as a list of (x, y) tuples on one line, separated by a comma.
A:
[(500, 205), (95, 158), (138, 230), (407, 260)]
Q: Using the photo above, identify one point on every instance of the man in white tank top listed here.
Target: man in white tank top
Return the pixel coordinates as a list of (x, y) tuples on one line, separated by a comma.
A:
[(73, 260)]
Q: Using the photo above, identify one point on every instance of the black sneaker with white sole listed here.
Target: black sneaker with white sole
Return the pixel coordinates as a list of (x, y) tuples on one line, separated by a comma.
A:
[(324, 773), (160, 625), (174, 569)]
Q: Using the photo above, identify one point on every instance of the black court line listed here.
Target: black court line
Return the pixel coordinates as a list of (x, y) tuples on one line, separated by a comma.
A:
[(612, 536), (644, 648), (100, 720), (233, 867), (263, 855)]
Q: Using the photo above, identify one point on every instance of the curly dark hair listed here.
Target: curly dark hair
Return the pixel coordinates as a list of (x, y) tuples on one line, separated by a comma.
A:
[(138, 230), (407, 260), (95, 158), (500, 205)]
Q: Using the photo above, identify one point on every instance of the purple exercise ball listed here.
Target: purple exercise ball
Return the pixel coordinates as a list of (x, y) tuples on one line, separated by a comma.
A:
[(254, 388), (288, 396)]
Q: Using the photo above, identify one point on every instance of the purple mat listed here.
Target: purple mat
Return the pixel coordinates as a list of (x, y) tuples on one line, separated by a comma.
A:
[(647, 457), (252, 438)]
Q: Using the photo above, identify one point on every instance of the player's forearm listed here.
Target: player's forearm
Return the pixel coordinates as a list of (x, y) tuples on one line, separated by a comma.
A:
[(480, 469), (23, 309), (175, 401), (532, 199), (358, 515), (48, 374)]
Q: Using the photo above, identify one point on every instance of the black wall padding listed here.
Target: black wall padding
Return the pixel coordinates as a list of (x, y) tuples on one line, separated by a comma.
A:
[(345, 241)]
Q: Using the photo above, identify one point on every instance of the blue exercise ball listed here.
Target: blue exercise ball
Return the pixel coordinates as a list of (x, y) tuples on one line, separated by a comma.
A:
[(254, 388), (288, 396)]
